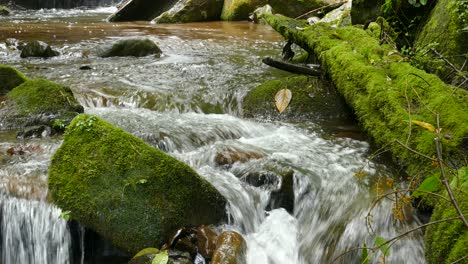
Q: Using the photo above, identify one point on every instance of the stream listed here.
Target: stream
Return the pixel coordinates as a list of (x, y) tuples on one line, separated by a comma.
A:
[(192, 98)]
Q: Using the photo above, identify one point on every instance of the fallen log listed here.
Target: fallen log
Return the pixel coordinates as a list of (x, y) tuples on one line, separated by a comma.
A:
[(291, 67), (386, 93)]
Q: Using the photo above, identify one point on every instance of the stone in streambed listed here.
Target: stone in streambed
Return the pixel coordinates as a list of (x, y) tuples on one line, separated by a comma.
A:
[(230, 249), (135, 47), (38, 49), (129, 192), (37, 102)]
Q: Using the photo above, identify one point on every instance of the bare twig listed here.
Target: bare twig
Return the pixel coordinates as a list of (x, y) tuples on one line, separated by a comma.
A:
[(449, 63), (321, 8), (446, 184), (414, 151), (460, 259)]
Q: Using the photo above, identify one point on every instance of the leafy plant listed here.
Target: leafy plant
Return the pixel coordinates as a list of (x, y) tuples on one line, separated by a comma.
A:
[(161, 258), (65, 215), (87, 124)]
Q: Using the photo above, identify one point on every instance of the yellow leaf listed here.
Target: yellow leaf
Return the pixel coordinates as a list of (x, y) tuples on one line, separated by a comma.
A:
[(282, 99), (424, 125)]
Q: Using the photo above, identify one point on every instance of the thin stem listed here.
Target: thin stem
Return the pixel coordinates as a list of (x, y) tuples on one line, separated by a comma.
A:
[(320, 8), (414, 151), (446, 184)]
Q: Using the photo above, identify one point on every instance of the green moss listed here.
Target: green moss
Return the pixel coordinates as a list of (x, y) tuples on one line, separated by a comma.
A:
[(126, 190), (376, 84), (238, 9), (448, 241), (443, 31), (42, 96), (10, 78), (311, 99), (4, 11)]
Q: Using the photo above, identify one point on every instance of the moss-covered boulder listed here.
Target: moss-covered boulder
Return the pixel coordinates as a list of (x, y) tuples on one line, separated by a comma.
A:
[(37, 102), (444, 32), (38, 49), (135, 47), (129, 192), (448, 241), (192, 11), (364, 11), (311, 99), (240, 9), (386, 94), (10, 78)]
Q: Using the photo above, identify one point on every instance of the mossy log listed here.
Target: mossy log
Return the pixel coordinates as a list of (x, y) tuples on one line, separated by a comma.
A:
[(385, 92)]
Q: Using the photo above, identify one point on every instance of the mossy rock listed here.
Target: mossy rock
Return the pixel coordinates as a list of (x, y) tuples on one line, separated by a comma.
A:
[(135, 47), (240, 9), (447, 242), (444, 32), (141, 10), (385, 92), (312, 99), (10, 78), (38, 49), (129, 192), (192, 11), (38, 102)]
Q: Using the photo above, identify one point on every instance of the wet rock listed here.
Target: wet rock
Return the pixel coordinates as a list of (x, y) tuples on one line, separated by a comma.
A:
[(231, 155), (284, 196), (192, 11), (240, 9), (255, 16), (136, 47), (133, 10), (184, 239), (206, 241), (127, 191), (4, 11), (179, 257), (35, 132), (37, 102), (230, 248), (23, 150), (10, 78), (85, 67), (364, 11), (262, 178), (312, 100), (340, 16), (38, 49)]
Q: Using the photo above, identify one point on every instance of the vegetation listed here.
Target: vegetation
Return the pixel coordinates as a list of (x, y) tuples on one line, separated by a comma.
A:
[(10, 78)]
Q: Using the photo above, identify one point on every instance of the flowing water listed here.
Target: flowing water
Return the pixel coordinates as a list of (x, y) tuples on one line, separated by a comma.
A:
[(188, 103)]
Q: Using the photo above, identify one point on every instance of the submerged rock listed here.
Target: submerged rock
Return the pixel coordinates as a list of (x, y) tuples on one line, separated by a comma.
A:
[(206, 241), (38, 49), (230, 248), (192, 11), (129, 47), (10, 78), (311, 99), (37, 102), (127, 191)]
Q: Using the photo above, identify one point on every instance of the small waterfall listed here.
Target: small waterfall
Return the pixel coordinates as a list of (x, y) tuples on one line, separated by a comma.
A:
[(32, 232)]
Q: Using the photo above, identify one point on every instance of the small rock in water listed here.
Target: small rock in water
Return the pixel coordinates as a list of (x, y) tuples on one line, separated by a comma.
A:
[(38, 49), (206, 239), (85, 67), (231, 247)]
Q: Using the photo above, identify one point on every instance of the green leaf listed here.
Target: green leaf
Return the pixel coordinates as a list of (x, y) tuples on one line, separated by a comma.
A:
[(145, 252), (423, 2), (365, 255), (380, 242), (65, 215), (142, 181), (430, 184), (161, 258)]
